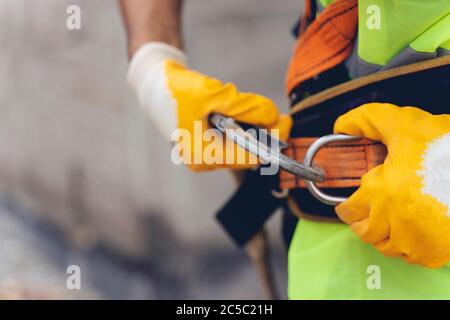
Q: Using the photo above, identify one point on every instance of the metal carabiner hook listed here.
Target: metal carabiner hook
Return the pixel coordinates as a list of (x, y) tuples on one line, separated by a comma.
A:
[(264, 152), (309, 158)]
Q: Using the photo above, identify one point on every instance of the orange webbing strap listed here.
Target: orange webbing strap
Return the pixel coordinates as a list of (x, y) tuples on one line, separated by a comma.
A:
[(327, 42), (344, 163)]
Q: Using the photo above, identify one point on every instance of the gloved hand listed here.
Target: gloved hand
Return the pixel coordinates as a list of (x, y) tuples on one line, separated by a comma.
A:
[(176, 97), (403, 206)]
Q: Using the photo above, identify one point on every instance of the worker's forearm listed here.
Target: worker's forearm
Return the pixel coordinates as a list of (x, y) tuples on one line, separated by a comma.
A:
[(151, 20)]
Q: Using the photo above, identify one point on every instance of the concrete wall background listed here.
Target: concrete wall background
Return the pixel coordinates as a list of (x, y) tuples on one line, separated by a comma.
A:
[(76, 149)]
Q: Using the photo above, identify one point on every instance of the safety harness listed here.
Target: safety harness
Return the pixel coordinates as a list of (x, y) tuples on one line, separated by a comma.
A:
[(345, 162)]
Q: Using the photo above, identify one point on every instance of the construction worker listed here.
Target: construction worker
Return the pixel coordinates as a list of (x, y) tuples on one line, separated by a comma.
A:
[(387, 63)]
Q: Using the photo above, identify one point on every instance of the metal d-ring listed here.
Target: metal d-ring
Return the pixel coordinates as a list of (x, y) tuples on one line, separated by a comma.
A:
[(309, 158)]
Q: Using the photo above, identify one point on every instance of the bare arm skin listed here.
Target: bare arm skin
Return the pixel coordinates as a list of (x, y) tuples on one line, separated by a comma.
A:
[(151, 20)]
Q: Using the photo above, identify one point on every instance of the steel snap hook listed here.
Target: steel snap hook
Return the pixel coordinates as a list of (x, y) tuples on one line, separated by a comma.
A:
[(232, 130)]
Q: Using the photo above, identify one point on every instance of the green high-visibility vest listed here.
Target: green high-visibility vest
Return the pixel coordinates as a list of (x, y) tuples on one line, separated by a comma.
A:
[(389, 27)]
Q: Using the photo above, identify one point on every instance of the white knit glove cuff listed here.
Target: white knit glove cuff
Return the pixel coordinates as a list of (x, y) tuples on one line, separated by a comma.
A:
[(147, 76)]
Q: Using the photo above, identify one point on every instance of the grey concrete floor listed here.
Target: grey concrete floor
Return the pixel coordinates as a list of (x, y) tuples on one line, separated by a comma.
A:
[(35, 260)]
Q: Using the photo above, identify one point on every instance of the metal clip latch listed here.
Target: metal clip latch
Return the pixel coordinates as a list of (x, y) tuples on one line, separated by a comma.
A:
[(262, 150)]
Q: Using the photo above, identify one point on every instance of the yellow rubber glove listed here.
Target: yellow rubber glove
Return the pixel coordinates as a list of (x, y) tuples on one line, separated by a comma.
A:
[(402, 206), (177, 97)]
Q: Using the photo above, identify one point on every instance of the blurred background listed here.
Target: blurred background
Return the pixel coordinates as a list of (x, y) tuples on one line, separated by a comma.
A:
[(86, 179)]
